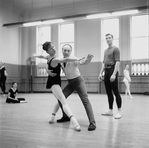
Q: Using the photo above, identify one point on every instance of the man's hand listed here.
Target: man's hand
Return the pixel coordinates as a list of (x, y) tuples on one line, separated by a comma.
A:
[(87, 60), (89, 57), (100, 77), (51, 73), (112, 78)]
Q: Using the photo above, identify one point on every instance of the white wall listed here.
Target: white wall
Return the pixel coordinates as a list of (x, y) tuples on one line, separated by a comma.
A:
[(125, 38), (28, 46), (10, 38), (87, 39)]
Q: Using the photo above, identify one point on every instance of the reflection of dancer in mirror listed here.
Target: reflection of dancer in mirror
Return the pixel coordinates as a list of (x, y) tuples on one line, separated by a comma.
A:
[(12, 95), (110, 67), (55, 82), (3, 77), (127, 81)]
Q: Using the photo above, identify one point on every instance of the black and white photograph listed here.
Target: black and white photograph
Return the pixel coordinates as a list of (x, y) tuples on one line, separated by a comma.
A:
[(74, 73)]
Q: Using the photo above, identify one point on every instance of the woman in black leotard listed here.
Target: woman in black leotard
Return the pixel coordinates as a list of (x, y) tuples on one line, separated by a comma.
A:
[(54, 83), (12, 95), (56, 79)]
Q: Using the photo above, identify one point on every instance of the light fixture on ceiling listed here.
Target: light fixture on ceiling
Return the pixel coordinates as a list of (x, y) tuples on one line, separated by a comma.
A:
[(54, 21), (75, 17), (32, 24), (36, 23), (117, 13), (126, 12), (100, 15)]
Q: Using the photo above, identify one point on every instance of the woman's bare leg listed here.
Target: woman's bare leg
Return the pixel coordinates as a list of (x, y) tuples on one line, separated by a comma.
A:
[(56, 108), (57, 91), (128, 89)]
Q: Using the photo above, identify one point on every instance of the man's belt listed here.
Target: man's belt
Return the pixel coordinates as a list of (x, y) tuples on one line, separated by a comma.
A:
[(108, 65)]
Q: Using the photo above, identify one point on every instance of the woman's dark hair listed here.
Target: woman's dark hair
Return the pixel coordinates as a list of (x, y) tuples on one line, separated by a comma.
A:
[(13, 83), (46, 45), (109, 34)]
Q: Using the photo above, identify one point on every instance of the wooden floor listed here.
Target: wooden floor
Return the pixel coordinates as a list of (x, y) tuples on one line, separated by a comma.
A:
[(26, 125)]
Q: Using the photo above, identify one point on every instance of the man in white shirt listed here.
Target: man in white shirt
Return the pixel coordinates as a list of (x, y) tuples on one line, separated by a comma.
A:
[(76, 83)]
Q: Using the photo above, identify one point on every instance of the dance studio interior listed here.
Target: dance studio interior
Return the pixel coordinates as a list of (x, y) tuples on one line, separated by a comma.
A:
[(25, 25)]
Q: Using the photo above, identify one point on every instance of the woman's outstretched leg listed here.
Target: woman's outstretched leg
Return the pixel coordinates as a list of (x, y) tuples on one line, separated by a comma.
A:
[(57, 91)]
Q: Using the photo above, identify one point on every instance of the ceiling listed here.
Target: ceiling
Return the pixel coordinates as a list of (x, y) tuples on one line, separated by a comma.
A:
[(34, 9), (27, 5)]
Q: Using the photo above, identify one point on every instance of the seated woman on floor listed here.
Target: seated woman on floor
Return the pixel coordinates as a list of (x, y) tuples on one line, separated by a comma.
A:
[(12, 95)]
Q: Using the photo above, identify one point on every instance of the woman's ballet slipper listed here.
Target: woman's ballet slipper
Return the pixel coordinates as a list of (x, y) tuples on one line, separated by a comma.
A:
[(131, 97), (52, 119), (51, 122), (75, 124), (77, 128)]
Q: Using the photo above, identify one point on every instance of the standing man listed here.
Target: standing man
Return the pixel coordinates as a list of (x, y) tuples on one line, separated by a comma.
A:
[(76, 83), (110, 67)]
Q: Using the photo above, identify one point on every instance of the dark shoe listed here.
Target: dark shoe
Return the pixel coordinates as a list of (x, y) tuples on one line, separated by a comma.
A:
[(92, 126), (63, 119)]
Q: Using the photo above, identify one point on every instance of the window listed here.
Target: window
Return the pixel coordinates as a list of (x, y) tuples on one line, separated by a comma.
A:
[(109, 26), (43, 35), (140, 44), (140, 37), (66, 34)]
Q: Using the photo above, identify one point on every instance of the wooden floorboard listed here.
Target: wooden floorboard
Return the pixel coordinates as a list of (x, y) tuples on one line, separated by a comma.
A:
[(26, 125)]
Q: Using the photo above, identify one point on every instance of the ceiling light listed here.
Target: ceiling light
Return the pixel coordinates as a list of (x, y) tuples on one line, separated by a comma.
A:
[(32, 24), (101, 15), (128, 12), (53, 21)]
